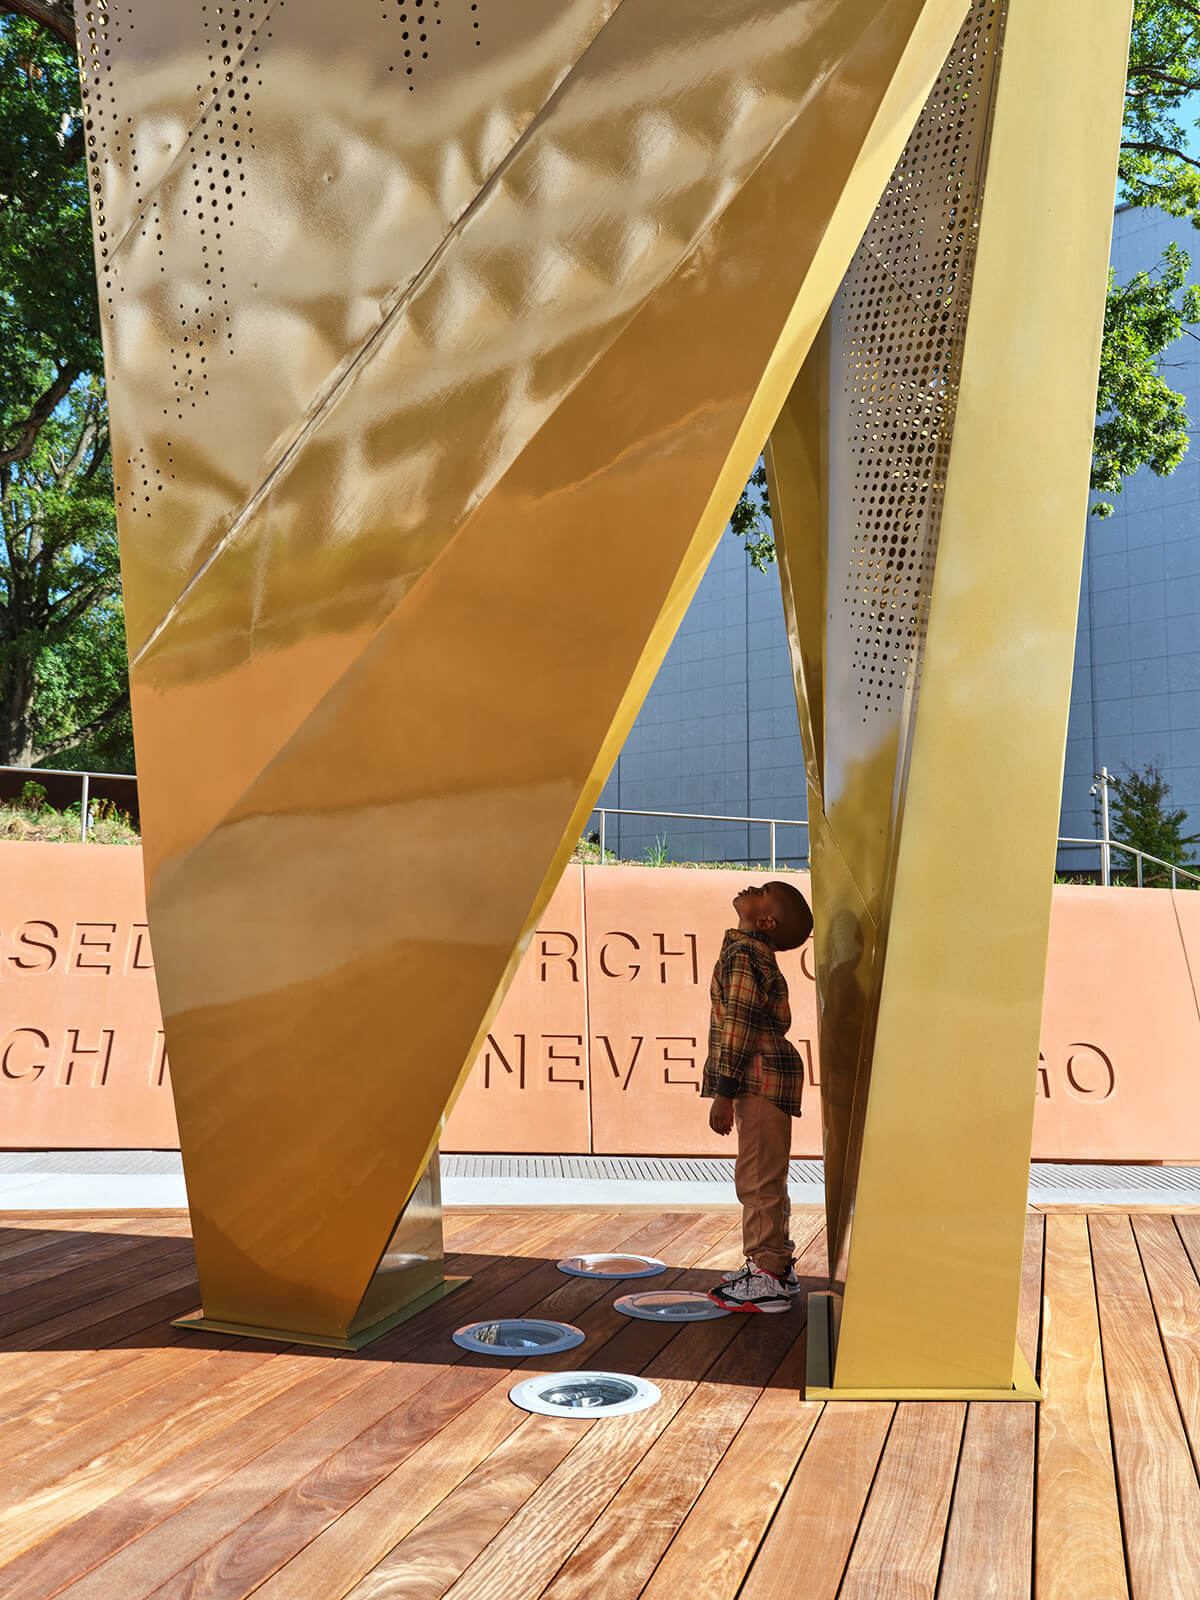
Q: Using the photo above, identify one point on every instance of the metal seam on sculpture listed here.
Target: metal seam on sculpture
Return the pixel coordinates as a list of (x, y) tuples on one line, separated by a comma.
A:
[(324, 403), (338, 380)]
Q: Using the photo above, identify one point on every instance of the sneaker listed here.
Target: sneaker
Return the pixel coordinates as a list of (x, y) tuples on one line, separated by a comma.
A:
[(751, 1289), (789, 1280)]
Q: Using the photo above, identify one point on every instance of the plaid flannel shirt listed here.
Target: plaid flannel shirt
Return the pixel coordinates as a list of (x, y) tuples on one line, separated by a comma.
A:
[(748, 1051)]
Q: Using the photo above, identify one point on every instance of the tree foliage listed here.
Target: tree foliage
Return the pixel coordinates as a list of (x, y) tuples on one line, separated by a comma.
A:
[(60, 586), (49, 324), (751, 520), (1156, 168), (1142, 818), (63, 690), (1141, 419)]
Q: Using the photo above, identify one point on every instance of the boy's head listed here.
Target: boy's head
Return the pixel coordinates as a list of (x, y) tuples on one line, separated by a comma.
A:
[(776, 909)]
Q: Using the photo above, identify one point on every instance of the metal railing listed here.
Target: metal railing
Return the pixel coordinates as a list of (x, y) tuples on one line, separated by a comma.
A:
[(1104, 845), (1106, 848), (604, 812), (35, 774)]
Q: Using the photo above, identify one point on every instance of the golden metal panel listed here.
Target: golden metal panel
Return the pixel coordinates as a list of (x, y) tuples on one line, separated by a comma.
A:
[(495, 363), (951, 596), (885, 375)]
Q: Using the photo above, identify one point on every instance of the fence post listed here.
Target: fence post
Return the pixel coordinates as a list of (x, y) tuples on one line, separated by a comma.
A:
[(84, 803), (772, 844), (1173, 883), (1138, 857), (602, 833)]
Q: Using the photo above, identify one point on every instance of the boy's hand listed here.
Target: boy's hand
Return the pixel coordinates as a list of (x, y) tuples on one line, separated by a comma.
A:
[(720, 1116)]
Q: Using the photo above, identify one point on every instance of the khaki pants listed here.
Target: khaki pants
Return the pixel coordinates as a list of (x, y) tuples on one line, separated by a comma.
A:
[(764, 1135)]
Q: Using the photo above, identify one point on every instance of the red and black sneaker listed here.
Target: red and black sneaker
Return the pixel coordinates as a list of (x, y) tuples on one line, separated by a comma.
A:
[(751, 1289)]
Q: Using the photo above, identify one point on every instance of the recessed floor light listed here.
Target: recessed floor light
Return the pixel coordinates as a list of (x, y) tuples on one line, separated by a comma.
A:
[(670, 1305), (612, 1266), (518, 1336), (585, 1394)]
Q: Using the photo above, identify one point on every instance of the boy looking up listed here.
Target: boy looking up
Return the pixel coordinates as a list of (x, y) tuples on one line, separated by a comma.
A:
[(755, 1076)]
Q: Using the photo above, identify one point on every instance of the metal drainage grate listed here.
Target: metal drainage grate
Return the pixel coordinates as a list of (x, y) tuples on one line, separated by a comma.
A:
[(585, 1394), (518, 1336), (670, 1305), (612, 1266)]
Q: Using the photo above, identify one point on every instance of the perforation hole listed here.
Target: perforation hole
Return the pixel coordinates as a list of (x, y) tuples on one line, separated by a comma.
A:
[(412, 24)]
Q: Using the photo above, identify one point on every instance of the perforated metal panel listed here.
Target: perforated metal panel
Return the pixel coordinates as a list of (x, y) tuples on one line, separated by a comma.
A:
[(894, 352), (263, 201), (896, 339)]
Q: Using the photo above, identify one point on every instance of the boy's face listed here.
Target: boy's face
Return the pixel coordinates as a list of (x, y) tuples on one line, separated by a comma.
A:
[(752, 905)]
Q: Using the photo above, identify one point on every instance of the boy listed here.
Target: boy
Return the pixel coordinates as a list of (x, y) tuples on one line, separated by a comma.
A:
[(754, 1077)]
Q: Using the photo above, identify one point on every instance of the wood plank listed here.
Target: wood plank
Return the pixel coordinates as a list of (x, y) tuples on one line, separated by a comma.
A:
[(95, 1410), (717, 1540), (176, 1515), (1078, 1538), (87, 1495), (898, 1549), (524, 1555), (212, 1407), (1157, 1483), (618, 1555), (532, 1541), (417, 1467), (142, 1259), (1176, 1296), (117, 1519), (818, 1517), (988, 1554), (176, 1287), (459, 1530), (51, 1256), (1091, 1208), (387, 1420), (989, 1544), (318, 1489)]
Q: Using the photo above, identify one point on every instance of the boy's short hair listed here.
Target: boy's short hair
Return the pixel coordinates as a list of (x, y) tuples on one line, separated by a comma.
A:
[(792, 914)]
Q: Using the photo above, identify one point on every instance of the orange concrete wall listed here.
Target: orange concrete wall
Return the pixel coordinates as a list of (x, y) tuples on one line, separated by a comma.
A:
[(599, 1045)]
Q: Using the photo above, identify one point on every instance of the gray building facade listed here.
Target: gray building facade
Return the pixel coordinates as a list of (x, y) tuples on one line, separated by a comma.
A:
[(718, 731)]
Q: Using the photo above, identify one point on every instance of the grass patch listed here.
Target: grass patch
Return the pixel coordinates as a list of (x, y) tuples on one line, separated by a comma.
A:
[(30, 820)]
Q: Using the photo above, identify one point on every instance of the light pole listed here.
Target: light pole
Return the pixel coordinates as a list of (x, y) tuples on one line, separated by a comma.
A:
[(1100, 787)]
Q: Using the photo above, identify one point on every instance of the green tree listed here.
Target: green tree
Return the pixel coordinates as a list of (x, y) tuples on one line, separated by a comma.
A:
[(63, 689), (64, 680), (1141, 817), (751, 520), (1141, 420)]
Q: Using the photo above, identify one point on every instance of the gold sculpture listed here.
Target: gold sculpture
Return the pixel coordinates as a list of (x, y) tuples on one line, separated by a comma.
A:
[(441, 339), (940, 436)]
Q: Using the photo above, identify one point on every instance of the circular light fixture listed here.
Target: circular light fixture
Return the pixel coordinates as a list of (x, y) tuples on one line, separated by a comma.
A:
[(670, 1305), (584, 1394), (612, 1266), (518, 1336)]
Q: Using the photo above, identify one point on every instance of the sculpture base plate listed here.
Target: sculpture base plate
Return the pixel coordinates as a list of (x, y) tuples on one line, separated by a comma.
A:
[(354, 1341), (819, 1384)]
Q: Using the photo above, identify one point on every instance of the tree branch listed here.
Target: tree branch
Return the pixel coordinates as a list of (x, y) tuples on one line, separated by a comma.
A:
[(56, 15), (1159, 75), (1151, 148), (64, 612), (71, 741), (39, 413)]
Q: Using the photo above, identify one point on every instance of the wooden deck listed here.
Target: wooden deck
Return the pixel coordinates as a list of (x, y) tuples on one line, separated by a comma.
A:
[(138, 1461)]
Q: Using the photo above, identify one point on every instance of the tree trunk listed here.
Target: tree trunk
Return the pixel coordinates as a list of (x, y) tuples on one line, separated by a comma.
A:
[(18, 685), (57, 15)]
